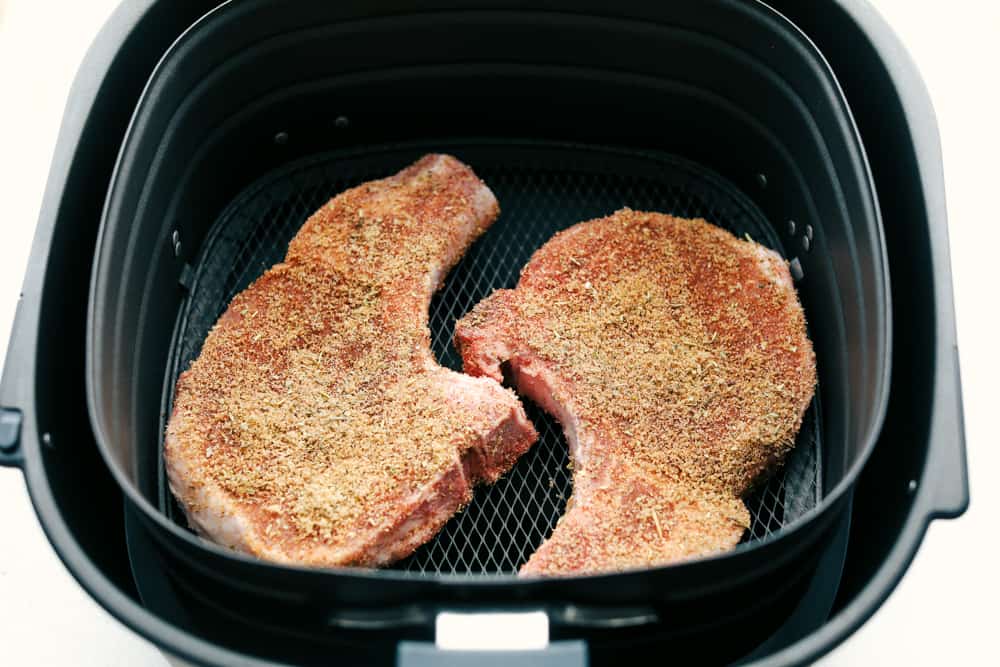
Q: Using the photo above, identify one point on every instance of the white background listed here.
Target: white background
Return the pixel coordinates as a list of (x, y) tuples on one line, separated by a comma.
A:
[(944, 611)]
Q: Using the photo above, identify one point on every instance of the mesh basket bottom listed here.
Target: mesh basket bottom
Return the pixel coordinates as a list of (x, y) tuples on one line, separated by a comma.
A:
[(542, 188)]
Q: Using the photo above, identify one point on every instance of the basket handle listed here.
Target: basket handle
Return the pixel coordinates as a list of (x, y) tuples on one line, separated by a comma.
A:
[(492, 639)]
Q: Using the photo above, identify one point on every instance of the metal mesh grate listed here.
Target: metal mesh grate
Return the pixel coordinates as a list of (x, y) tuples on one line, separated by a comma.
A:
[(542, 189)]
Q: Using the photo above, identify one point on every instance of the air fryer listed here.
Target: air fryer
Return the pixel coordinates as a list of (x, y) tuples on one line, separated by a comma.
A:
[(240, 122)]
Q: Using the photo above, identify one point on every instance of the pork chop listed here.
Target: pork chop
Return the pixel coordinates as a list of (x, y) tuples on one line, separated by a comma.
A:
[(316, 427), (675, 357)]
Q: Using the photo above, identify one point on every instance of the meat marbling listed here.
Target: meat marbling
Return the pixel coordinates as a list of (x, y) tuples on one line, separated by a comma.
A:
[(675, 357), (316, 427)]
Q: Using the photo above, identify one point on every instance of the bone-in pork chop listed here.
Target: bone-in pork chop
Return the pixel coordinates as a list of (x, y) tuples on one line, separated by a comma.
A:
[(675, 357), (316, 427)]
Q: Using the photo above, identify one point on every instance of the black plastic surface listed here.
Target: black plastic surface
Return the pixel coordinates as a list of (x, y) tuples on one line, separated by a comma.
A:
[(613, 636), (916, 230), (817, 601)]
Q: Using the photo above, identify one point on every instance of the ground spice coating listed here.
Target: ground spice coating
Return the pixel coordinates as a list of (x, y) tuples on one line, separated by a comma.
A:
[(315, 426), (676, 357)]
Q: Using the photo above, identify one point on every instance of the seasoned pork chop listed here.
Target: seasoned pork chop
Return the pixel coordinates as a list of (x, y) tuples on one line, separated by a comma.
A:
[(675, 356), (316, 427)]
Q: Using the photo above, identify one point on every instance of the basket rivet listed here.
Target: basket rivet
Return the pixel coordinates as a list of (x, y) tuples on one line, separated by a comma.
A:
[(341, 122), (762, 180), (47, 439), (912, 486), (281, 138), (791, 227), (806, 243), (809, 232), (795, 268)]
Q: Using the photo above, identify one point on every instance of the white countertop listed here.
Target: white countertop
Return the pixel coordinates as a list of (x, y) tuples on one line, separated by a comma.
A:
[(943, 611)]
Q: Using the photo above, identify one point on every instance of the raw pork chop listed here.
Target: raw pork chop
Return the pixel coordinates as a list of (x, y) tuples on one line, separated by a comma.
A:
[(675, 356), (316, 427)]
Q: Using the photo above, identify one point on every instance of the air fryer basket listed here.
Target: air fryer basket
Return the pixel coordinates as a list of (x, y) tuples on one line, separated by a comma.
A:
[(543, 187), (606, 104)]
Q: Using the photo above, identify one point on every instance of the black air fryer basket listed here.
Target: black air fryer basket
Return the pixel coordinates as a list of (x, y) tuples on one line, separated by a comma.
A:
[(199, 140)]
